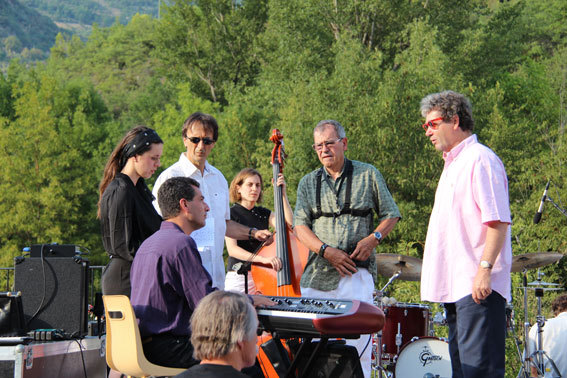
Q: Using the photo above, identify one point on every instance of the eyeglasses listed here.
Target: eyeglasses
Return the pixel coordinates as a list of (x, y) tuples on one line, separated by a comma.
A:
[(431, 124), (327, 144), (196, 140)]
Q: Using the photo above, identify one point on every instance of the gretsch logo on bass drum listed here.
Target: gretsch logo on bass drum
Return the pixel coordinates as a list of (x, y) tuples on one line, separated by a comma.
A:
[(426, 356)]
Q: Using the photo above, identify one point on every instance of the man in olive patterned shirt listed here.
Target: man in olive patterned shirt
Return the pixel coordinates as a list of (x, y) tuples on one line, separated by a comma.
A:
[(334, 219)]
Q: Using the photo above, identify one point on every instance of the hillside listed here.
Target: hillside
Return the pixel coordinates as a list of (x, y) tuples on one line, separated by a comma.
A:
[(24, 32), (78, 14)]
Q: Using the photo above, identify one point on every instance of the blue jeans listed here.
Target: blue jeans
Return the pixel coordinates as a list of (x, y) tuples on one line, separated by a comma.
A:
[(477, 336)]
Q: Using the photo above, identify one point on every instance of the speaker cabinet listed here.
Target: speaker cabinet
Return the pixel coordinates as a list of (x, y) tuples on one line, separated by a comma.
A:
[(54, 293), (335, 360)]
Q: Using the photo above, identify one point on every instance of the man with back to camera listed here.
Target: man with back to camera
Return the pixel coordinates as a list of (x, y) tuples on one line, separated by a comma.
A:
[(468, 253), (168, 279), (223, 335), (554, 339), (200, 133), (333, 218)]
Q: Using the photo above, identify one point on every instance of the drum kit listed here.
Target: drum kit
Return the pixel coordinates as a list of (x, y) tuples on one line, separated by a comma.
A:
[(407, 346)]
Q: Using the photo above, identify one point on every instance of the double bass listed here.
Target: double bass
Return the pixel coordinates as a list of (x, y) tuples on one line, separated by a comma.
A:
[(287, 248)]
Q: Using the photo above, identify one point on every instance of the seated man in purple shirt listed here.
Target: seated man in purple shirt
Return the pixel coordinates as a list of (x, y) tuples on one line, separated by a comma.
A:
[(168, 278)]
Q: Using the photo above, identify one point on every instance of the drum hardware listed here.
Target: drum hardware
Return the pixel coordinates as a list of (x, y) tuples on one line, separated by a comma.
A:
[(377, 351), (395, 332), (390, 264), (439, 319), (537, 358)]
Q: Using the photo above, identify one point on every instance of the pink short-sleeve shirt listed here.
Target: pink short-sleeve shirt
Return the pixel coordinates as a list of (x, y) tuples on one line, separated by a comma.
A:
[(472, 191)]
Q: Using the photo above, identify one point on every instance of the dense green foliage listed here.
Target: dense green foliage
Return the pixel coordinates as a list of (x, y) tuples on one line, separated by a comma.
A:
[(263, 64)]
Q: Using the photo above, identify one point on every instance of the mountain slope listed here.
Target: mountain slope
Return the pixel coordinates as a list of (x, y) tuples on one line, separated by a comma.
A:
[(24, 28)]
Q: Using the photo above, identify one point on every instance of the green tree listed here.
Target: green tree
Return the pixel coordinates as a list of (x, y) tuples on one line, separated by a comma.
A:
[(50, 153), (210, 43)]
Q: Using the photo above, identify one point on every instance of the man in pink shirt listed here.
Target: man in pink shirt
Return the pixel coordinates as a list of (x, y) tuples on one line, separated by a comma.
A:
[(468, 254)]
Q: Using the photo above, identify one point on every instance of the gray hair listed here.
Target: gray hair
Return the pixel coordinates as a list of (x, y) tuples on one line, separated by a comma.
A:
[(449, 104), (222, 319), (339, 129)]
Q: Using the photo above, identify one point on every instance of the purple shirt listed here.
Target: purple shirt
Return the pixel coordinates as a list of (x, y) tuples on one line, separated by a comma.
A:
[(472, 191), (168, 281)]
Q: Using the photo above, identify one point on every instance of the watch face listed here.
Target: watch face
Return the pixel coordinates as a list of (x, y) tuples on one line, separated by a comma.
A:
[(378, 235)]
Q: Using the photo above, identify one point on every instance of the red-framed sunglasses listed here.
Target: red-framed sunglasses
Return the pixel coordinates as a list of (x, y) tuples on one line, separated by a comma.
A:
[(431, 124)]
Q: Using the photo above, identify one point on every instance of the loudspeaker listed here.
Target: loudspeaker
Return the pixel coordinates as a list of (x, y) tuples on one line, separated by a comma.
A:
[(335, 360), (54, 293), (12, 321), (53, 250)]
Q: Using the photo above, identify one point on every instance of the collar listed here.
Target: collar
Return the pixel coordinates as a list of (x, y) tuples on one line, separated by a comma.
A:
[(327, 174), (167, 225), (190, 168), (455, 151), (124, 177)]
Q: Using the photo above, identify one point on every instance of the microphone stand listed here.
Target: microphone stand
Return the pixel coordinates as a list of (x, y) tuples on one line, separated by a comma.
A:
[(562, 210)]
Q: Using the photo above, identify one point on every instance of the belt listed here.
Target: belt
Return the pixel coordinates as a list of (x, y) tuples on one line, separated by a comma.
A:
[(362, 263)]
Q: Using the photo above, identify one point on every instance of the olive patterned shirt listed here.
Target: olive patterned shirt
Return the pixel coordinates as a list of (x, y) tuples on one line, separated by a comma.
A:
[(369, 191)]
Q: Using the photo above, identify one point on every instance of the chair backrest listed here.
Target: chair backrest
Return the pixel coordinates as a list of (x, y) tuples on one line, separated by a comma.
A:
[(124, 352)]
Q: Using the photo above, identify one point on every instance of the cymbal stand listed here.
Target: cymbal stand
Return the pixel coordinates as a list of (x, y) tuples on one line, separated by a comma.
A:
[(525, 371), (378, 368), (394, 276), (538, 358)]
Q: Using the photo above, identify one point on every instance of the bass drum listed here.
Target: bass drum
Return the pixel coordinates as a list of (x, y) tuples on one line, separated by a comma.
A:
[(424, 357)]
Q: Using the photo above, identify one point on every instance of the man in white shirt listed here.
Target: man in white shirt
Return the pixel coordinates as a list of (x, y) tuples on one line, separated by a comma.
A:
[(554, 340), (200, 133)]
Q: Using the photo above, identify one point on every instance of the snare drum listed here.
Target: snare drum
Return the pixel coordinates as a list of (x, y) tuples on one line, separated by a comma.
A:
[(424, 357), (403, 322)]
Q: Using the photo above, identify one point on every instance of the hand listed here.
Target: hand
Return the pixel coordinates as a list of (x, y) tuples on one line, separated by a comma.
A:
[(274, 261), (481, 285), (340, 261), (262, 301), (262, 235), (364, 248), (269, 240), (280, 182)]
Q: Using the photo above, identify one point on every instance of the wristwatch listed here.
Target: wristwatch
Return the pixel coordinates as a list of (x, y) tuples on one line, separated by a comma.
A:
[(378, 236), (485, 264), (322, 250)]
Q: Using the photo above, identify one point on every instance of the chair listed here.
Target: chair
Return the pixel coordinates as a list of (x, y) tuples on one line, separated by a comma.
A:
[(124, 351)]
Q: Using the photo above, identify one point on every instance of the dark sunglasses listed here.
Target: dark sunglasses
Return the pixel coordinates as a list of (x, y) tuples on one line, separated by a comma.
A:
[(196, 140)]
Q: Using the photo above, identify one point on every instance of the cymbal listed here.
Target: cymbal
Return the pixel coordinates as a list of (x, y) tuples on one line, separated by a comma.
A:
[(534, 260), (542, 283), (391, 263)]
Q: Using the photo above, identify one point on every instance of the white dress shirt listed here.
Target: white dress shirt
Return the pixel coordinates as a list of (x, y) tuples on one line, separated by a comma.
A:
[(209, 239)]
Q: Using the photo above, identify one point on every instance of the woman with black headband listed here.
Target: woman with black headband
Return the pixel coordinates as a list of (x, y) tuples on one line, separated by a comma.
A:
[(125, 208)]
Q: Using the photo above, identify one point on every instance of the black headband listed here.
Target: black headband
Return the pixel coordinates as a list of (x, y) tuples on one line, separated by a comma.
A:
[(139, 143)]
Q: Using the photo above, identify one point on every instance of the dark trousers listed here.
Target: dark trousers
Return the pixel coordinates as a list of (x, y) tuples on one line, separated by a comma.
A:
[(477, 336), (116, 277), (170, 351)]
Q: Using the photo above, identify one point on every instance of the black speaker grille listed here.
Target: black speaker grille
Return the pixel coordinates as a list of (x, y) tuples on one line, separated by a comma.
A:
[(55, 290)]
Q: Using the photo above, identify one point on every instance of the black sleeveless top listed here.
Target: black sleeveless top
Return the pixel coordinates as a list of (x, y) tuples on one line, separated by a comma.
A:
[(258, 217)]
